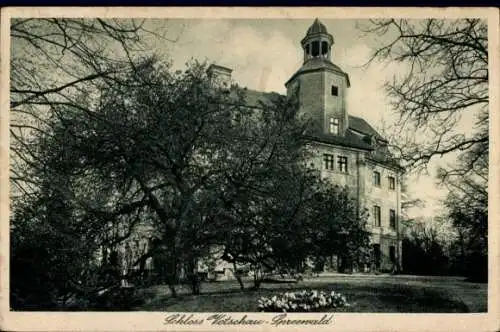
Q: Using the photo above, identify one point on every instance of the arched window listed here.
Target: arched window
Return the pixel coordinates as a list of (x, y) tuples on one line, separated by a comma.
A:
[(308, 50), (324, 49), (315, 48)]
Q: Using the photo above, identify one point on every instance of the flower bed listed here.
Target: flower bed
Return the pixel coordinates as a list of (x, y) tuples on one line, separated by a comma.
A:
[(302, 301)]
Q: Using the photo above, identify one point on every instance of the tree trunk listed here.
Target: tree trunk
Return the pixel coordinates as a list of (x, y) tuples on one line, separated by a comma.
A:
[(171, 275), (172, 289), (238, 277), (194, 278), (257, 277)]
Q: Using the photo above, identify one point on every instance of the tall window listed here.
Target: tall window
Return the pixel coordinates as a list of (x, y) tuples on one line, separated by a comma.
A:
[(335, 90), (392, 218), (315, 48), (376, 179), (392, 254), (334, 126), (342, 163), (392, 183), (376, 215), (324, 48), (329, 161)]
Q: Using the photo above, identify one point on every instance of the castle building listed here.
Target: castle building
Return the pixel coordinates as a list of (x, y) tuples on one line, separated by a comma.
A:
[(346, 149)]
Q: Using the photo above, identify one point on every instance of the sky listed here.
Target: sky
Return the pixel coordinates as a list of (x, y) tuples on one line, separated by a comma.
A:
[(264, 53)]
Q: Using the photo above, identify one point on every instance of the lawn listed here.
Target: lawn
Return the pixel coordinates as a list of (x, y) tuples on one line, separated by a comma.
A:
[(365, 293)]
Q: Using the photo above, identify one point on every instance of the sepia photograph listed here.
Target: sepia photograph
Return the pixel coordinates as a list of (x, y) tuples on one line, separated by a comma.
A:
[(275, 165)]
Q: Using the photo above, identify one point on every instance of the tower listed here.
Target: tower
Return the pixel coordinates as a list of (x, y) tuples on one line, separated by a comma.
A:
[(320, 85)]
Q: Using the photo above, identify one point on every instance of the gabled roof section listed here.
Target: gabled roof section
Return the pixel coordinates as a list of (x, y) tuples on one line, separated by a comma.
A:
[(360, 125)]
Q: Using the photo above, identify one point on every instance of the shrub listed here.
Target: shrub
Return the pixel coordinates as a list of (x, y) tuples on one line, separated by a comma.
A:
[(302, 301)]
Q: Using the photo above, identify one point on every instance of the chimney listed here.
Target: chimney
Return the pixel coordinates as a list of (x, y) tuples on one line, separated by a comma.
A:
[(220, 75)]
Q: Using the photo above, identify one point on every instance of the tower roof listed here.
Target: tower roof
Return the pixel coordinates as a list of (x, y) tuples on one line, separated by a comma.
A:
[(316, 27), (319, 64)]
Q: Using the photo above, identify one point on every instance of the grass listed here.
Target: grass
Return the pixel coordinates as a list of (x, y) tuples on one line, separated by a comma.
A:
[(365, 293)]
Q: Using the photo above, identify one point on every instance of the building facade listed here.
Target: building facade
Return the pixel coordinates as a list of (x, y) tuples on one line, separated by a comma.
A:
[(347, 149)]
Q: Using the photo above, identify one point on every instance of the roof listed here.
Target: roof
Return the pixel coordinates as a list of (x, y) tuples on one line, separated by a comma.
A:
[(316, 27), (360, 125), (213, 67), (254, 98), (319, 63), (350, 140), (355, 123), (383, 156)]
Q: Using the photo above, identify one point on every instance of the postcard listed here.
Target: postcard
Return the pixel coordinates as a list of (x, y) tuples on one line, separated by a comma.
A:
[(198, 169)]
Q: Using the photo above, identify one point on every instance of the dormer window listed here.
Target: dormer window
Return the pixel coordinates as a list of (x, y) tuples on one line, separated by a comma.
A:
[(334, 126), (335, 90)]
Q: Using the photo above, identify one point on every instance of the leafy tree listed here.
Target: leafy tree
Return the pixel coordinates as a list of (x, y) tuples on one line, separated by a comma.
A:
[(339, 226), (134, 158), (264, 189), (427, 246), (171, 151)]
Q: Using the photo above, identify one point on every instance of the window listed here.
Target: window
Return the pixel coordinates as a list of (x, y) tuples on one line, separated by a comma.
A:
[(335, 90), (324, 48), (334, 126), (307, 49), (342, 162), (376, 215), (392, 254), (315, 48), (376, 179), (392, 183), (329, 161), (392, 218)]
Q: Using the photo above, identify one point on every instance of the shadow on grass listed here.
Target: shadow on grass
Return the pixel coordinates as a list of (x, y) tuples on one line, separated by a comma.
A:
[(382, 297)]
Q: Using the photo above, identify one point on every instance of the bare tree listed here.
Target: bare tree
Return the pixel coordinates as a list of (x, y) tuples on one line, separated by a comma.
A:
[(58, 62), (441, 96), (443, 89)]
